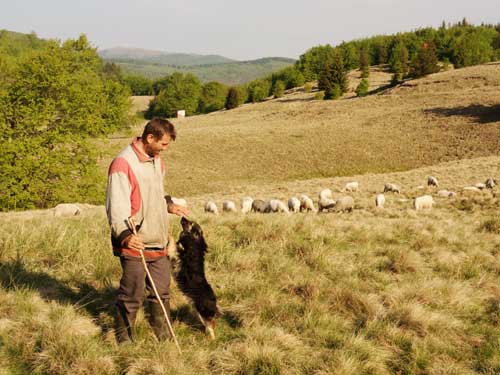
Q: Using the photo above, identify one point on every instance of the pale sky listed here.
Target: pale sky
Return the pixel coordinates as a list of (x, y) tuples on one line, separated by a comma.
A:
[(239, 29)]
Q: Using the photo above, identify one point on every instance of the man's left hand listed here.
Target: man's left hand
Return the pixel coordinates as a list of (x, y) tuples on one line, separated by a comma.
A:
[(175, 209)]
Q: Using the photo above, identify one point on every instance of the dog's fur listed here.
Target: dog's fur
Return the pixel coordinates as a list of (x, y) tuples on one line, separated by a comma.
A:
[(189, 272)]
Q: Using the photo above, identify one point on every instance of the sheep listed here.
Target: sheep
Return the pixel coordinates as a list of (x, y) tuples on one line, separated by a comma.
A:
[(246, 205), (380, 201), (392, 188), (325, 200), (423, 202), (306, 203), (344, 204), (259, 205), (211, 207), (446, 193), (471, 189), (490, 183), (432, 181), (351, 187), (228, 206), (480, 186), (179, 201), (294, 205), (278, 206), (66, 209)]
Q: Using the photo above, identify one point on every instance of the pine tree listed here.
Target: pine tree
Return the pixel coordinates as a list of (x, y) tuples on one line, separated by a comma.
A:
[(333, 78), (232, 100), (364, 62), (426, 61)]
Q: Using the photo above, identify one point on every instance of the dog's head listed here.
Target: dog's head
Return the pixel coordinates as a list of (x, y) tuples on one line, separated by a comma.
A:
[(192, 236)]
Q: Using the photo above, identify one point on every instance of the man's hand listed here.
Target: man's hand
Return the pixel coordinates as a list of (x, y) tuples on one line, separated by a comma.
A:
[(133, 242), (175, 209)]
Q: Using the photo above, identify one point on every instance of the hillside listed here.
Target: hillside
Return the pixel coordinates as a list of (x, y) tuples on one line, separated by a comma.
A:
[(153, 57), (446, 116)]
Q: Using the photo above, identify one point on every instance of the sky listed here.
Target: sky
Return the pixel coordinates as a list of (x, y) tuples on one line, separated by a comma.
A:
[(238, 29)]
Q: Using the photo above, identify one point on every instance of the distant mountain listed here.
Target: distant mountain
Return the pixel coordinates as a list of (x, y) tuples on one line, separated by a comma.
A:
[(122, 54), (154, 64)]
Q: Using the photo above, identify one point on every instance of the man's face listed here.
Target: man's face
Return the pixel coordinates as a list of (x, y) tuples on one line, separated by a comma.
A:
[(153, 147)]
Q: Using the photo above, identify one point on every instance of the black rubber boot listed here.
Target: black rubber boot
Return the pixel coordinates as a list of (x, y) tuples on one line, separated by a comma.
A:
[(157, 320), (123, 325)]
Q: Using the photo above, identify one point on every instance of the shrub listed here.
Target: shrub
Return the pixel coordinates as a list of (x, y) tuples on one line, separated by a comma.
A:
[(213, 97), (279, 89), (362, 89), (308, 87), (232, 99), (320, 95)]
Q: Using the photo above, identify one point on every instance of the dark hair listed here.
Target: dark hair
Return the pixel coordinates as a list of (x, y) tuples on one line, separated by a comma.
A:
[(158, 127)]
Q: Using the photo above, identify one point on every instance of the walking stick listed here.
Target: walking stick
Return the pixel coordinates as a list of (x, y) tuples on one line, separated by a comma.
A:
[(131, 224)]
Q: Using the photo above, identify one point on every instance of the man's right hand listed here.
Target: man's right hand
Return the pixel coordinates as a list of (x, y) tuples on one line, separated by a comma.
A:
[(133, 242)]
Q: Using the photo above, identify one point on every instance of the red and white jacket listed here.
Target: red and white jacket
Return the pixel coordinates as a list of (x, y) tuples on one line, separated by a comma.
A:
[(135, 188)]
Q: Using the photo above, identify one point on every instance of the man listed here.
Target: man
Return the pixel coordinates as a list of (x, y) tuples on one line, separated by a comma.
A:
[(135, 188)]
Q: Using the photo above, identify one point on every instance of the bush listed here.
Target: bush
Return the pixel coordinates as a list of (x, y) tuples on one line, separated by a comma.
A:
[(362, 89), (308, 87), (213, 97), (320, 95), (279, 89), (54, 101)]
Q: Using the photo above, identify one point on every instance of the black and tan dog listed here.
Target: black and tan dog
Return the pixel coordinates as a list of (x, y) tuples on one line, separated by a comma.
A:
[(189, 272)]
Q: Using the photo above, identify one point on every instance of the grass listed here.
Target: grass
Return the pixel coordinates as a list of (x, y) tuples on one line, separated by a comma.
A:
[(446, 116), (373, 292)]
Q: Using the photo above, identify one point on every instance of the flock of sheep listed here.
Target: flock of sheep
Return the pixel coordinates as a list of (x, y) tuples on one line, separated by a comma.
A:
[(344, 203)]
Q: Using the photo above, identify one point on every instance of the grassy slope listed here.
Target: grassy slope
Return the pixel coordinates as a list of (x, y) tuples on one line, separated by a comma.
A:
[(372, 292), (234, 73), (446, 116)]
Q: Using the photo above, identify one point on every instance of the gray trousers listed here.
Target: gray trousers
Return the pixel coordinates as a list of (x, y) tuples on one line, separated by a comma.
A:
[(134, 280)]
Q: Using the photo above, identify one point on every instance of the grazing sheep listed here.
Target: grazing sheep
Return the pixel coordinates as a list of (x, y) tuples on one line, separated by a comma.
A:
[(66, 209), (351, 186), (344, 204), (228, 206), (380, 200), (259, 205), (480, 186), (325, 200), (179, 201), (306, 203), (246, 205), (278, 206), (294, 205), (432, 181), (392, 188), (490, 183), (423, 202), (471, 189), (211, 207), (446, 193)]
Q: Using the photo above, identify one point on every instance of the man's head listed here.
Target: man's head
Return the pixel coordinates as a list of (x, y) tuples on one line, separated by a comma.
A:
[(157, 135)]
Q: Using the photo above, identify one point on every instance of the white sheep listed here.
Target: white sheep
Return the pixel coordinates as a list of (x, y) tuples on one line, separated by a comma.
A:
[(446, 193), (246, 205), (294, 204), (211, 207), (490, 183), (480, 186), (180, 202), (432, 181), (351, 186), (471, 189), (66, 209), (275, 205), (380, 200), (423, 202), (344, 204), (325, 200), (391, 188), (306, 203), (228, 206)]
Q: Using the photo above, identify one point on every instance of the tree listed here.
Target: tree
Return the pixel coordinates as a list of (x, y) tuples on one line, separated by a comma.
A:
[(362, 89), (213, 97), (473, 47), (181, 92), (399, 58), (364, 62), (333, 78), (290, 76), (232, 99), (278, 89), (258, 90), (139, 85), (426, 61), (52, 103), (312, 62)]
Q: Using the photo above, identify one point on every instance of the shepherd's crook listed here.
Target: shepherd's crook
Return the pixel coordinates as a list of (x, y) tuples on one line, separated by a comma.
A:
[(131, 224)]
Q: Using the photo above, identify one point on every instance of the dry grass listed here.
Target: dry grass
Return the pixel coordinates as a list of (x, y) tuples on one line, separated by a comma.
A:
[(446, 116)]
